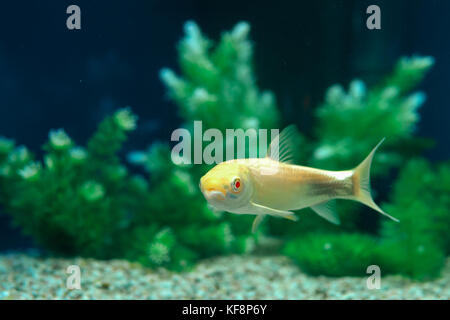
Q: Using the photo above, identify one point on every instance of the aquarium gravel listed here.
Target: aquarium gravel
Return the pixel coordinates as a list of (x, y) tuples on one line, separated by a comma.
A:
[(25, 276)]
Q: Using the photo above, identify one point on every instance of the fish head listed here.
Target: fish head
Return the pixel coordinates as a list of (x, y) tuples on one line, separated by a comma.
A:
[(227, 186)]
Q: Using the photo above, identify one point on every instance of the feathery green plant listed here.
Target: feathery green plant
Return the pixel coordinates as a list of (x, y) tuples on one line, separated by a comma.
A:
[(218, 85), (72, 202), (421, 200), (350, 124)]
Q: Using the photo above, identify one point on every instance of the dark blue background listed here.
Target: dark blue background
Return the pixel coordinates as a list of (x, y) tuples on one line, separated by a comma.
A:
[(51, 77)]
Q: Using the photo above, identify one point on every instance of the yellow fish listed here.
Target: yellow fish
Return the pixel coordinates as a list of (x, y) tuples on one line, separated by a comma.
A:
[(272, 186)]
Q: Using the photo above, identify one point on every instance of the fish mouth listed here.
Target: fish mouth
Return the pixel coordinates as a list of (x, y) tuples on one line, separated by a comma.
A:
[(214, 195), (212, 191)]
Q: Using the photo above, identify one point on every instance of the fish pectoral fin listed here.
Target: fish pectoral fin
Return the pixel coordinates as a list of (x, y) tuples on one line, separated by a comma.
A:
[(259, 218), (327, 211), (259, 209)]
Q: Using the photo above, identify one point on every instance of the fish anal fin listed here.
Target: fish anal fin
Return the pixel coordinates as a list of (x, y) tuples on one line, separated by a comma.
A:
[(327, 210)]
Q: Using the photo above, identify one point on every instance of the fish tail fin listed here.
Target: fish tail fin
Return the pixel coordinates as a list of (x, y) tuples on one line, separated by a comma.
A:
[(361, 183)]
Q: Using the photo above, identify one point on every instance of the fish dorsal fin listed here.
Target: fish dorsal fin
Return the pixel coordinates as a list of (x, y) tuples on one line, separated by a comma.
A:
[(327, 210), (282, 147)]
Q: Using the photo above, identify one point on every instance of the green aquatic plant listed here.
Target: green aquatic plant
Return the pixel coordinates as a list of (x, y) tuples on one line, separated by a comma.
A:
[(335, 255), (421, 200), (73, 201), (350, 124), (83, 201), (218, 85)]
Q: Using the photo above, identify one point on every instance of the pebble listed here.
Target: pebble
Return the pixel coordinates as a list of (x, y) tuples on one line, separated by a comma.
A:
[(25, 276)]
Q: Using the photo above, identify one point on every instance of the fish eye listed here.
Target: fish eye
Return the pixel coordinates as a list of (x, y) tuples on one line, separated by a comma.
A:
[(236, 184)]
